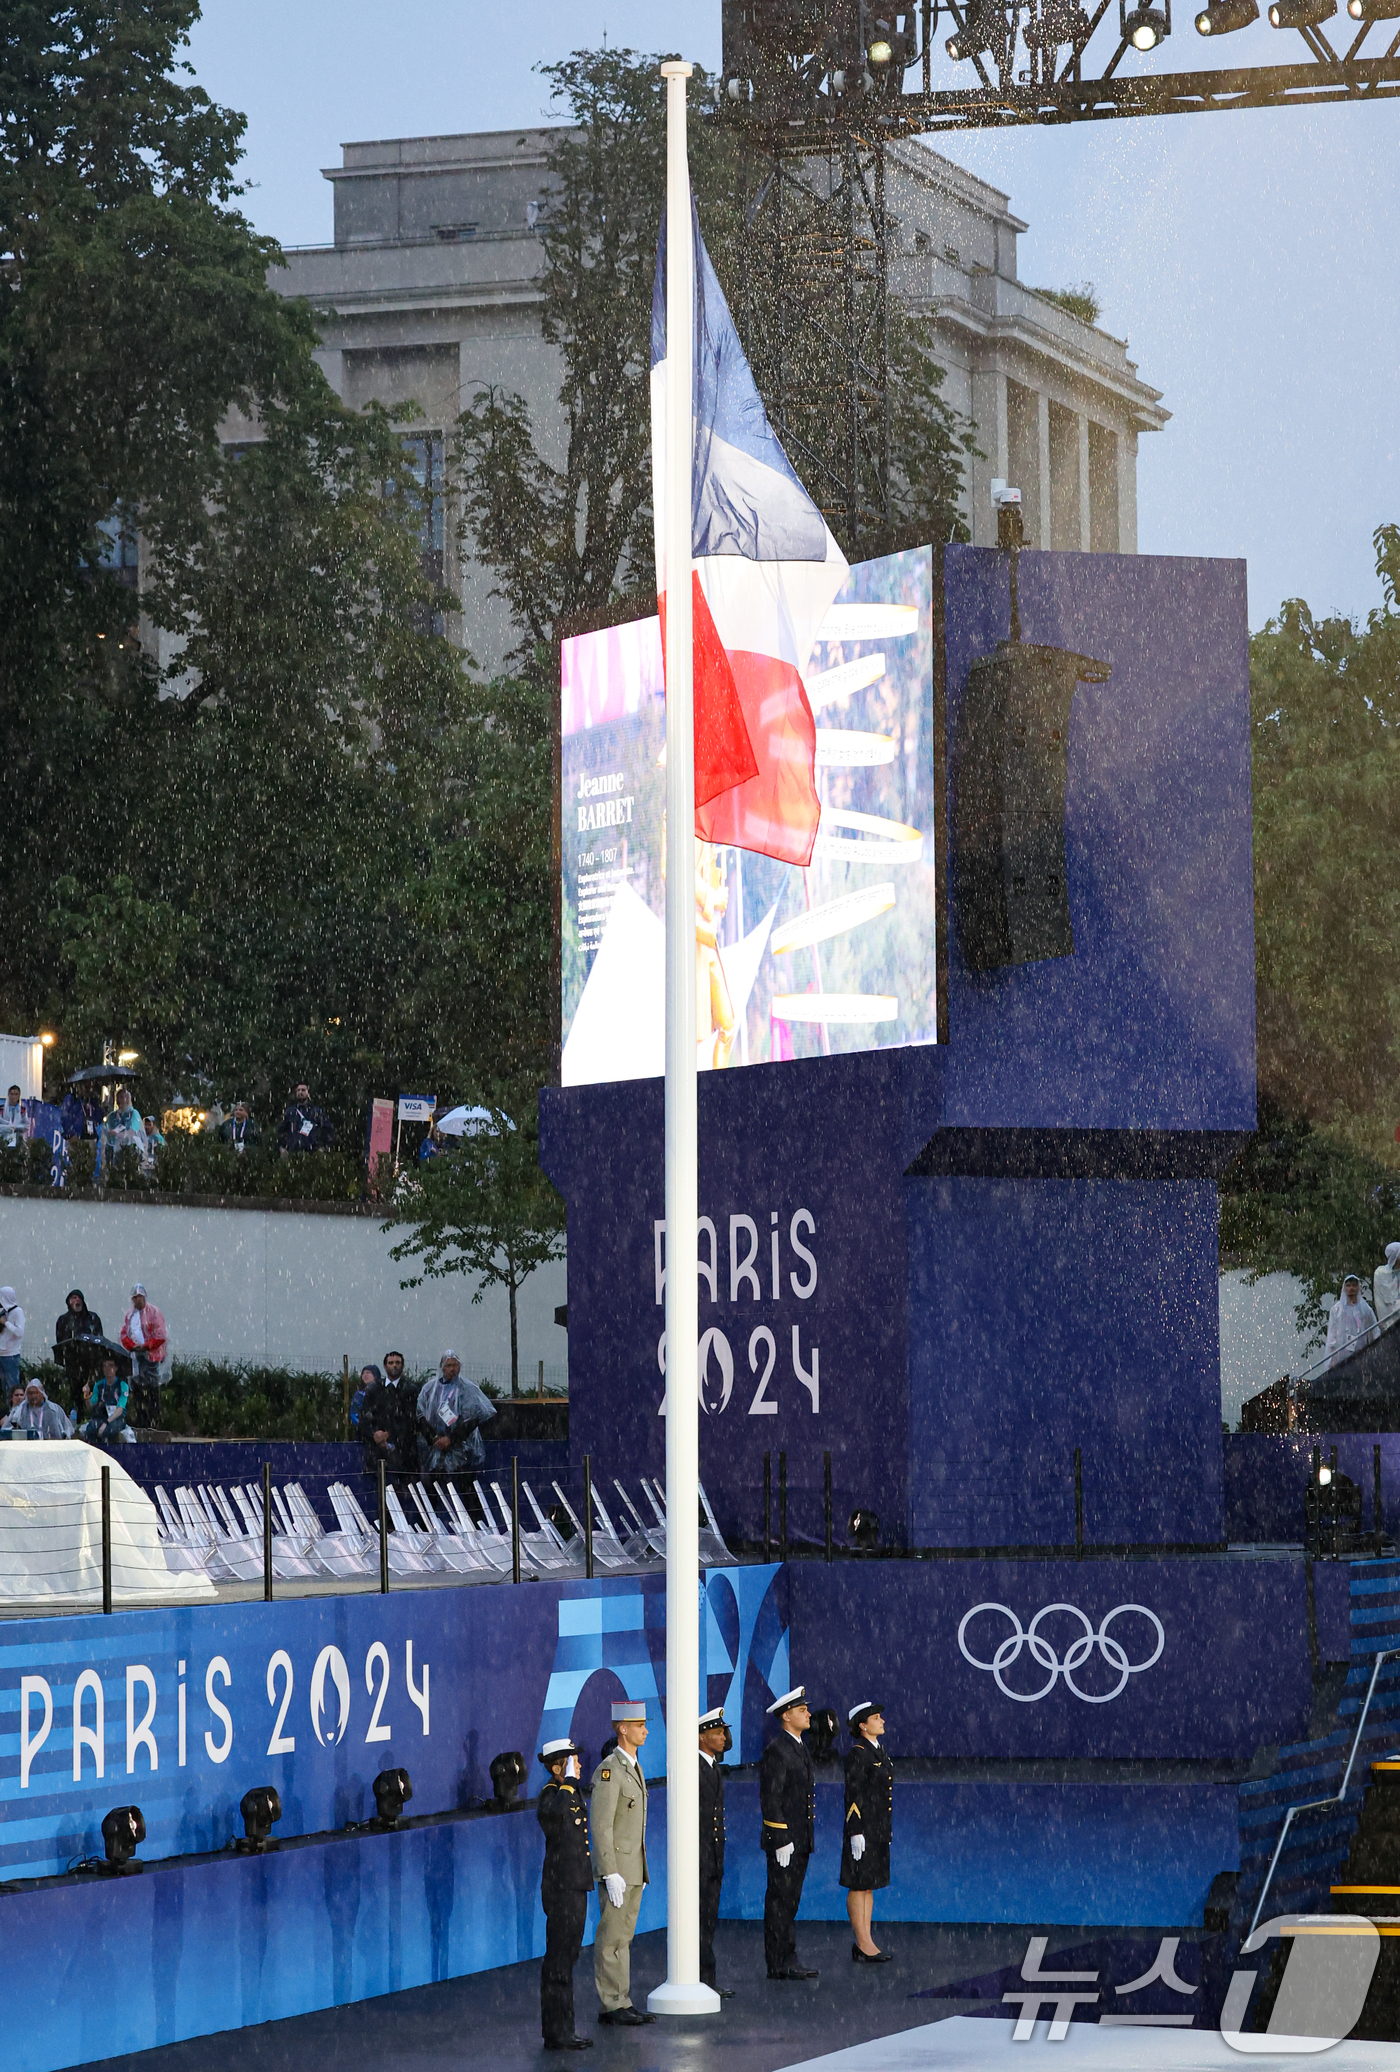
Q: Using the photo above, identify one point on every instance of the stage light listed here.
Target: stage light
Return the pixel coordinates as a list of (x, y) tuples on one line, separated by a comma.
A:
[(1221, 17), (507, 1775), (1373, 10), (1146, 27), (48, 1039), (122, 1829), (258, 1809), (822, 1733), (864, 1528), (1324, 1477), (879, 52), (1300, 14), (983, 30), (392, 1788)]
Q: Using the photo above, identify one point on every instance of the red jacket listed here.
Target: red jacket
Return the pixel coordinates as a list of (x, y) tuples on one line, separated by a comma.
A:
[(153, 1330)]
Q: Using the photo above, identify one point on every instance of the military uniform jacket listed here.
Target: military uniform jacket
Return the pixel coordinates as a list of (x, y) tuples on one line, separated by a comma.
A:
[(787, 1795), (869, 1812), (618, 1821), (564, 1818), (711, 1822)]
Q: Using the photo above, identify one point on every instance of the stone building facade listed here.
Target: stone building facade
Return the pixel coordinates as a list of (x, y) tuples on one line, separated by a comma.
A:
[(431, 292)]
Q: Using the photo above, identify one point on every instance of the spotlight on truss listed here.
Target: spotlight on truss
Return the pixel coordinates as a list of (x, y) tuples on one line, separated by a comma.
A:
[(1373, 10), (1221, 17), (1301, 14), (984, 29), (1146, 27)]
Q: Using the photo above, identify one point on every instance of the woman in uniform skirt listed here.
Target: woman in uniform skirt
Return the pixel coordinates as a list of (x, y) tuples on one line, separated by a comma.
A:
[(865, 1847)]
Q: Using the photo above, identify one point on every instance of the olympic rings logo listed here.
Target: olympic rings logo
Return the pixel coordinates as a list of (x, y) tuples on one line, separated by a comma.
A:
[(1076, 1655)]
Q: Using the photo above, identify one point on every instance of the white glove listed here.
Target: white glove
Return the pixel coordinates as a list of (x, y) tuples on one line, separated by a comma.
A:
[(615, 1886), (857, 1848), (784, 1855)]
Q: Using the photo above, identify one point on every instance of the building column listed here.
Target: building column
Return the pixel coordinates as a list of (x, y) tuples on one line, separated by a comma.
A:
[(1042, 428), (989, 417), (1085, 535), (1127, 491), (331, 362)]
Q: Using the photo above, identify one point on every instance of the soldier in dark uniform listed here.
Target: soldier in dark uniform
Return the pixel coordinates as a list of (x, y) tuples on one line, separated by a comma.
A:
[(715, 1738), (787, 1794), (865, 1847), (564, 1890)]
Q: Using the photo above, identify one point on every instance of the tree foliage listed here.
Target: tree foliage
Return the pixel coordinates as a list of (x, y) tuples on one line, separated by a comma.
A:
[(485, 1208), (291, 835)]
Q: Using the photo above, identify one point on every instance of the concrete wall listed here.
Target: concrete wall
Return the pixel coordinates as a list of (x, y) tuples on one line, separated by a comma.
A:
[(293, 1289)]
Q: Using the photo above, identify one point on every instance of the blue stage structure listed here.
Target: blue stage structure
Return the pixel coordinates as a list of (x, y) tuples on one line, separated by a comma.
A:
[(957, 1270)]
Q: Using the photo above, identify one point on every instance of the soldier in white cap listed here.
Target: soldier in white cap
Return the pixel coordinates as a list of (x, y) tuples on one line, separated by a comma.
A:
[(618, 1832), (565, 1885), (715, 1738), (787, 1796)]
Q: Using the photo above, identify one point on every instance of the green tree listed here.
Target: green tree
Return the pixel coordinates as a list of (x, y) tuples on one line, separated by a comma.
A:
[(484, 1207)]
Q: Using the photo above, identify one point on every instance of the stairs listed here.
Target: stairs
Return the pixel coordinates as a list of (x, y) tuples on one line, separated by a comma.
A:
[(1325, 1849)]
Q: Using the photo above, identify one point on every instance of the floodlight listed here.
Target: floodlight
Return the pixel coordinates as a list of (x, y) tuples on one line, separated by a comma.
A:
[(983, 30), (864, 1528), (122, 1829), (1324, 1477), (1146, 27), (1223, 16), (1300, 14), (1373, 10), (48, 1039), (879, 52), (507, 1775), (258, 1809), (391, 1789)]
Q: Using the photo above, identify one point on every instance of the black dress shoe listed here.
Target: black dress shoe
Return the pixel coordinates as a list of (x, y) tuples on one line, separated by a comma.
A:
[(794, 1971), (725, 1992), (625, 2017), (859, 1956), (570, 2043)]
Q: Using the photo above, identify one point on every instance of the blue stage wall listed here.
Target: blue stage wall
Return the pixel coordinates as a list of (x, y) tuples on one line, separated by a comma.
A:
[(313, 1696), (951, 1342), (1266, 1476), (1136, 1855), (1150, 1024), (1047, 1315), (1233, 1671)]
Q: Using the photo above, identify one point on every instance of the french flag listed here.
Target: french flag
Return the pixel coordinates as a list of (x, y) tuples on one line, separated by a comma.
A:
[(766, 569)]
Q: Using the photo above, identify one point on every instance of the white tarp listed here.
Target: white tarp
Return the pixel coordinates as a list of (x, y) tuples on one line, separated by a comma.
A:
[(51, 1530)]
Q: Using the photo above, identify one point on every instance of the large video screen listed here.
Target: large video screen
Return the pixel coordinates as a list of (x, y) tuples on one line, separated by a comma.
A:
[(790, 963)]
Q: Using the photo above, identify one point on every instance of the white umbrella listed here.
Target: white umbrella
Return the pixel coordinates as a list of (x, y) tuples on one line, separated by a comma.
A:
[(469, 1122)]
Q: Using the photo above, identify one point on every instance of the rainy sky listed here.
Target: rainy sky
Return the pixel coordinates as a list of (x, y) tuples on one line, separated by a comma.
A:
[(1249, 257)]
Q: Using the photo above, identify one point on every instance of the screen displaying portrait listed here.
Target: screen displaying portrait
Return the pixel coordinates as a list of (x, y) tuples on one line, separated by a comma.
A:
[(790, 963)]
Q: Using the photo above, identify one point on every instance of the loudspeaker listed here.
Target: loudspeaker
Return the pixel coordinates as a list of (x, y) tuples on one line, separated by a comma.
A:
[(1010, 772)]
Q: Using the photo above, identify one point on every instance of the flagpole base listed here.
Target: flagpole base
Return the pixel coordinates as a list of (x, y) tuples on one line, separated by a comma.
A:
[(673, 1998)]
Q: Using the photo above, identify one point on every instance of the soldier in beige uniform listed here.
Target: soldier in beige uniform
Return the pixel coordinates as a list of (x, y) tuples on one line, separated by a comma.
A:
[(617, 1825)]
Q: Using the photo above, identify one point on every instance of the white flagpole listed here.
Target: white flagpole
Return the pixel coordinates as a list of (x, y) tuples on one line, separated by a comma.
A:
[(682, 1993)]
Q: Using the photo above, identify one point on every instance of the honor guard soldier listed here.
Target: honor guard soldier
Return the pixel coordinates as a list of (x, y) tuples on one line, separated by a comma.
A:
[(619, 1841), (564, 1890), (715, 1739), (787, 1795), (865, 1846)]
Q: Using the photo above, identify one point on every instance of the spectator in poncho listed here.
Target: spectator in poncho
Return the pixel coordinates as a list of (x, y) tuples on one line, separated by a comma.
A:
[(11, 1337), (451, 1412), (1385, 1285), (38, 1414), (1352, 1322)]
